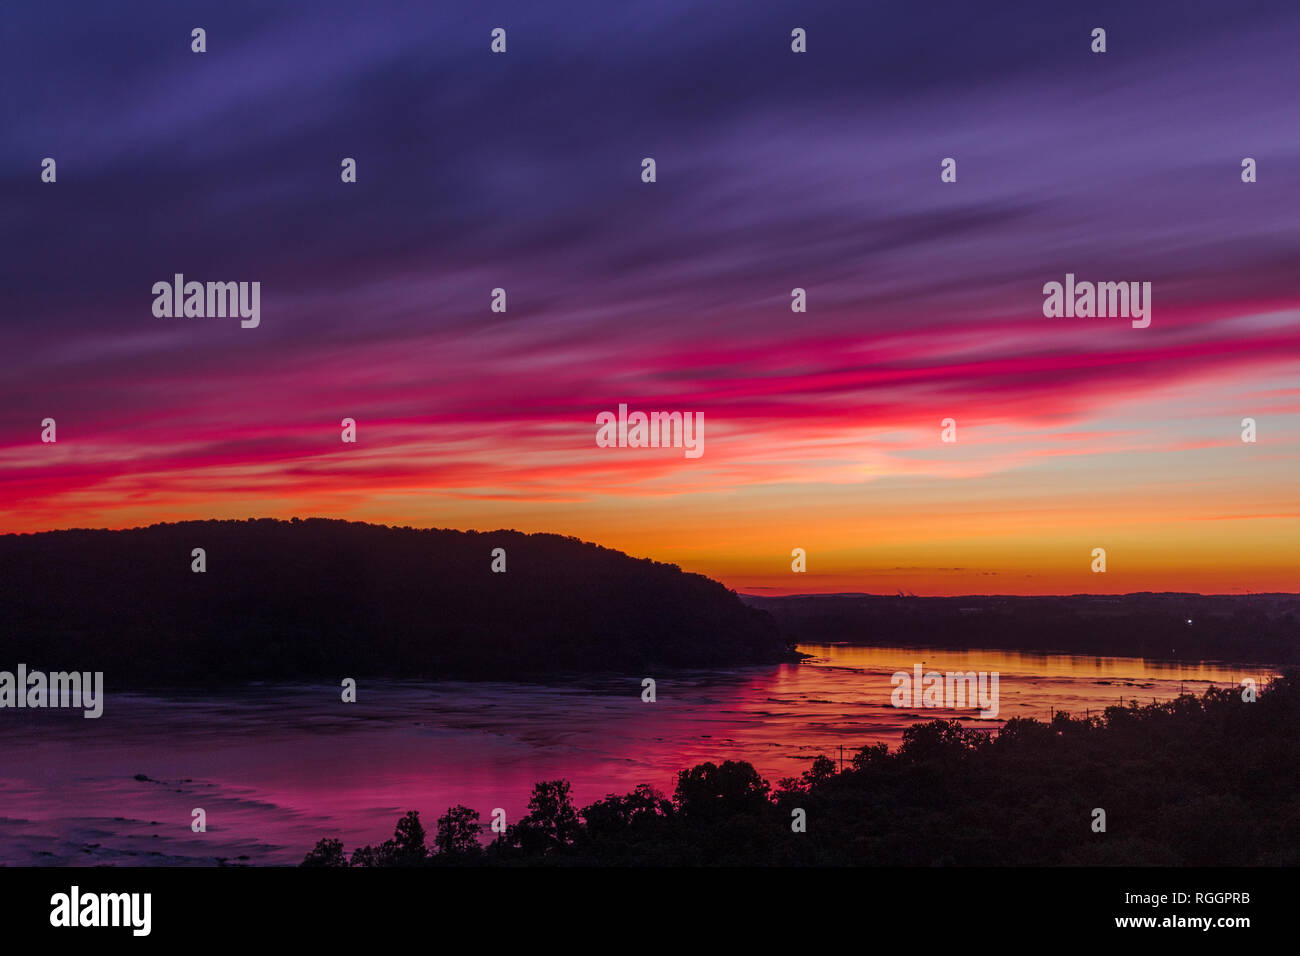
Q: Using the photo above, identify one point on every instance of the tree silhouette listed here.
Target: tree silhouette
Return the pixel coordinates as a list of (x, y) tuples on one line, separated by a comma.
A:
[(1170, 777), (327, 852), (709, 791), (457, 834), (551, 822), (406, 848)]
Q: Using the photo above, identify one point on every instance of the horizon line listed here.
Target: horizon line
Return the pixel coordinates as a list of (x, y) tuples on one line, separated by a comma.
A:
[(740, 593)]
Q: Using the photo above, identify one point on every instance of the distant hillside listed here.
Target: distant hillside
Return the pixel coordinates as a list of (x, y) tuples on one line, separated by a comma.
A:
[(320, 598), (1262, 628)]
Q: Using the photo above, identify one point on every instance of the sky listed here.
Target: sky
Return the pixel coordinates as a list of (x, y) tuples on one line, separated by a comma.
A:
[(775, 171)]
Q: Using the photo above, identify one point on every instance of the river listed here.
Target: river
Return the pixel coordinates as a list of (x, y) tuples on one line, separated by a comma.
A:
[(276, 767)]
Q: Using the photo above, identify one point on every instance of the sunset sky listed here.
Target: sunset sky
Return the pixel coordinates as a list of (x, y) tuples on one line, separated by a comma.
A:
[(775, 171)]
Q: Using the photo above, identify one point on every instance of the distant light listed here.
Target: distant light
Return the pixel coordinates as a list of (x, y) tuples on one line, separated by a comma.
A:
[(1189, 620)]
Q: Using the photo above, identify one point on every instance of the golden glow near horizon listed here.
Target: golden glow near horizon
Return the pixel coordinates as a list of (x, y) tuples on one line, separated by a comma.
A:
[(879, 502)]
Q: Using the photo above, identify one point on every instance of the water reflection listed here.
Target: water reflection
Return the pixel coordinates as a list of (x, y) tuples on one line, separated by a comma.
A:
[(277, 767)]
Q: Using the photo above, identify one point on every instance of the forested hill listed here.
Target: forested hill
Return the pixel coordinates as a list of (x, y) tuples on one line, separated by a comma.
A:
[(326, 599), (1261, 628)]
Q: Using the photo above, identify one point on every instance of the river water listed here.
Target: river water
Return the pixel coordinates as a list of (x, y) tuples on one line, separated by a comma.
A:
[(277, 767)]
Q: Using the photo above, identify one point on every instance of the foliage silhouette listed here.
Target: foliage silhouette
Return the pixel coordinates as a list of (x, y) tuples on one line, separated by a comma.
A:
[(1208, 781)]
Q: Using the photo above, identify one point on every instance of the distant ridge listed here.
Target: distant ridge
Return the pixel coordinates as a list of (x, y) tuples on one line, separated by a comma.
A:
[(1253, 628), (320, 598)]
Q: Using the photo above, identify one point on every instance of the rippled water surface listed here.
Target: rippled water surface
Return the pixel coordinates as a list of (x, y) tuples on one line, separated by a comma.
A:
[(277, 767)]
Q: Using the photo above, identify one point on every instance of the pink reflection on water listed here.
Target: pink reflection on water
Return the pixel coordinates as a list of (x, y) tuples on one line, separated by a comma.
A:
[(277, 767)]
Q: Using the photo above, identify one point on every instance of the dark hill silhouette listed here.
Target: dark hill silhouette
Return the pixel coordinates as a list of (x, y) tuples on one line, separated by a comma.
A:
[(323, 598)]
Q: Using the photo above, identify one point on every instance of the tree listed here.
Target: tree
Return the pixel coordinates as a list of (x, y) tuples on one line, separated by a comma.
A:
[(457, 833), (939, 740), (327, 852), (823, 768), (709, 791), (635, 813), (408, 839), (406, 848), (872, 755), (552, 822)]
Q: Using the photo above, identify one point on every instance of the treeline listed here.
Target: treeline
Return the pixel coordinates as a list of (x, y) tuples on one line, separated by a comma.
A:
[(1262, 628), (1209, 781), (318, 598)]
